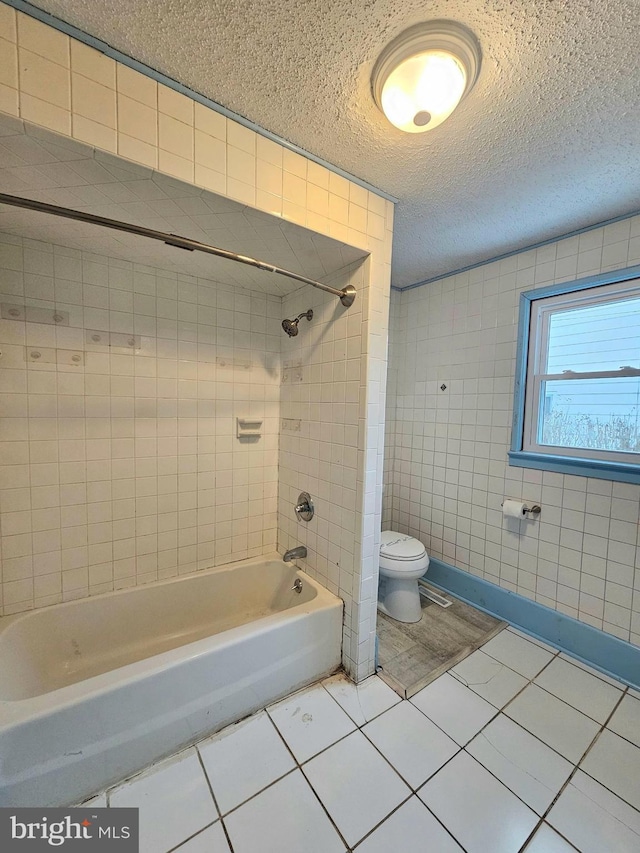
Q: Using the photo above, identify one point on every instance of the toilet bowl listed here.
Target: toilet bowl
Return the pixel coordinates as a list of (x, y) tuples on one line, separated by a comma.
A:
[(403, 560)]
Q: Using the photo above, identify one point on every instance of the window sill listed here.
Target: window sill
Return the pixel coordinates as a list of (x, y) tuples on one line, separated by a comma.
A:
[(622, 472)]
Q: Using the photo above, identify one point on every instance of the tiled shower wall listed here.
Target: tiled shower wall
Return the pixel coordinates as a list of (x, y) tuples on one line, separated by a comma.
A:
[(390, 413), (122, 466), (320, 405), (331, 445), (449, 446)]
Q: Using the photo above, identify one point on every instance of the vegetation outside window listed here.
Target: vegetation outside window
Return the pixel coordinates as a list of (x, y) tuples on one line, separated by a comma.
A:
[(578, 378)]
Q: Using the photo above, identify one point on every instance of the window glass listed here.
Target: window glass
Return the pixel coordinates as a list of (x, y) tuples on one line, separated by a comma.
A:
[(578, 386), (603, 336), (598, 414)]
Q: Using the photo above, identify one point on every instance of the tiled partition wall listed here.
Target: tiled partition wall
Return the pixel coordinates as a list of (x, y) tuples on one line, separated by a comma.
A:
[(120, 462), (322, 398), (395, 336), (57, 82), (450, 471)]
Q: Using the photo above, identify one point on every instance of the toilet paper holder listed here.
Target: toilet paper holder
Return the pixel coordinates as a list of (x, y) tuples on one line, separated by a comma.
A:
[(535, 509)]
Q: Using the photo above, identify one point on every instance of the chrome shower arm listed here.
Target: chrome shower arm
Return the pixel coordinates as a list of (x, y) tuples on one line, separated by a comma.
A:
[(346, 295)]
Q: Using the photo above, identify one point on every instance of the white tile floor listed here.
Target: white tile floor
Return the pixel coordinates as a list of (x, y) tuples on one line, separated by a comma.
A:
[(517, 748)]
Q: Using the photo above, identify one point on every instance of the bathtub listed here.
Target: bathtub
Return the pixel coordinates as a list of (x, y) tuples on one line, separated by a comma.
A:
[(94, 690)]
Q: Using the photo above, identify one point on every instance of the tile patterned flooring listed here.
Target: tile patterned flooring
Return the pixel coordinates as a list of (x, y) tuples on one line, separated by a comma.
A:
[(517, 748), (411, 655)]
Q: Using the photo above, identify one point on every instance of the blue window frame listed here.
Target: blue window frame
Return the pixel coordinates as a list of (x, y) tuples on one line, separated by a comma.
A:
[(577, 388)]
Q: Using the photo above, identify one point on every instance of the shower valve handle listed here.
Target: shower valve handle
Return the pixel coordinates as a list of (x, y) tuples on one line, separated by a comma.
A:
[(304, 508)]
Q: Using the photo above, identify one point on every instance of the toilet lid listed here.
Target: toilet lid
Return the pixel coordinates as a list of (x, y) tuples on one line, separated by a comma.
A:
[(400, 546)]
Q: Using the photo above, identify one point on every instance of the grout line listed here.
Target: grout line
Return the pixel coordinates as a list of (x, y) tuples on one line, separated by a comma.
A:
[(544, 743), (622, 737), (529, 683), (535, 829), (596, 738), (280, 735), (504, 785), (593, 719), (518, 632), (257, 793), (358, 728), (371, 719), (577, 767), (414, 791), (206, 776), (324, 809), (379, 824), (406, 782), (501, 711), (532, 682), (397, 808), (604, 677), (446, 828), (195, 835)]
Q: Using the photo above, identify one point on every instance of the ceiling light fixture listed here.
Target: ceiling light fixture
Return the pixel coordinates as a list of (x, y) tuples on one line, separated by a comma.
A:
[(421, 77)]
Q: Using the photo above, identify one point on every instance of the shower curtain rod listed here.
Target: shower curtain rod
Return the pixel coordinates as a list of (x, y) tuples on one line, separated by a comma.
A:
[(347, 295)]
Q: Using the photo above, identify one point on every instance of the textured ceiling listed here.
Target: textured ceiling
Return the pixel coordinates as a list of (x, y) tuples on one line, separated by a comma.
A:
[(38, 164), (547, 141)]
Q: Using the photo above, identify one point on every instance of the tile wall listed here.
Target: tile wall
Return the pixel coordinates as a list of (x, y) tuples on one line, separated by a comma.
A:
[(331, 445), (119, 462), (56, 82), (448, 468), (371, 438), (320, 406)]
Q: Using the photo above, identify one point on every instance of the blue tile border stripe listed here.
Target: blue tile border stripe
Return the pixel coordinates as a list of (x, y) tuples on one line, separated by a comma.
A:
[(602, 651), (123, 59)]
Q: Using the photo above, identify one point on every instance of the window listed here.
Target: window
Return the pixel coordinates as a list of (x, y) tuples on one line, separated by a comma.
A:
[(577, 406)]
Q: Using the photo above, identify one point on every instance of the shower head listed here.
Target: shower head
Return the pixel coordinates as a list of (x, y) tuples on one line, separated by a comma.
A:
[(291, 326)]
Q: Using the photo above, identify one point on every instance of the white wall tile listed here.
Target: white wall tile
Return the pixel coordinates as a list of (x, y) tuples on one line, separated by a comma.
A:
[(8, 23), (176, 105), (210, 122), (175, 136), (43, 40), (8, 63), (44, 79), (137, 86), (259, 173), (91, 63), (76, 521), (585, 539), (137, 120)]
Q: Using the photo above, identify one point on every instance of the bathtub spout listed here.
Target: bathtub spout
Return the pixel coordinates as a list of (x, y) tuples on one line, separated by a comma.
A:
[(298, 553)]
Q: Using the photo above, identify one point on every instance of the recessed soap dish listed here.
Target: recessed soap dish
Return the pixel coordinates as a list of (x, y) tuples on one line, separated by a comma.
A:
[(248, 427)]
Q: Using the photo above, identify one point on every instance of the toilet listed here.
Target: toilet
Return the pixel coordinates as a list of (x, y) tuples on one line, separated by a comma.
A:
[(403, 559)]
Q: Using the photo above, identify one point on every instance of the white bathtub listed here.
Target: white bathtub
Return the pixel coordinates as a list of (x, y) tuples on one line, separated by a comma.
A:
[(94, 690)]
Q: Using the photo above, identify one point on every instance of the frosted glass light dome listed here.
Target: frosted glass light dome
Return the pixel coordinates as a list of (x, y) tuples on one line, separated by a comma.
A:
[(422, 76)]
